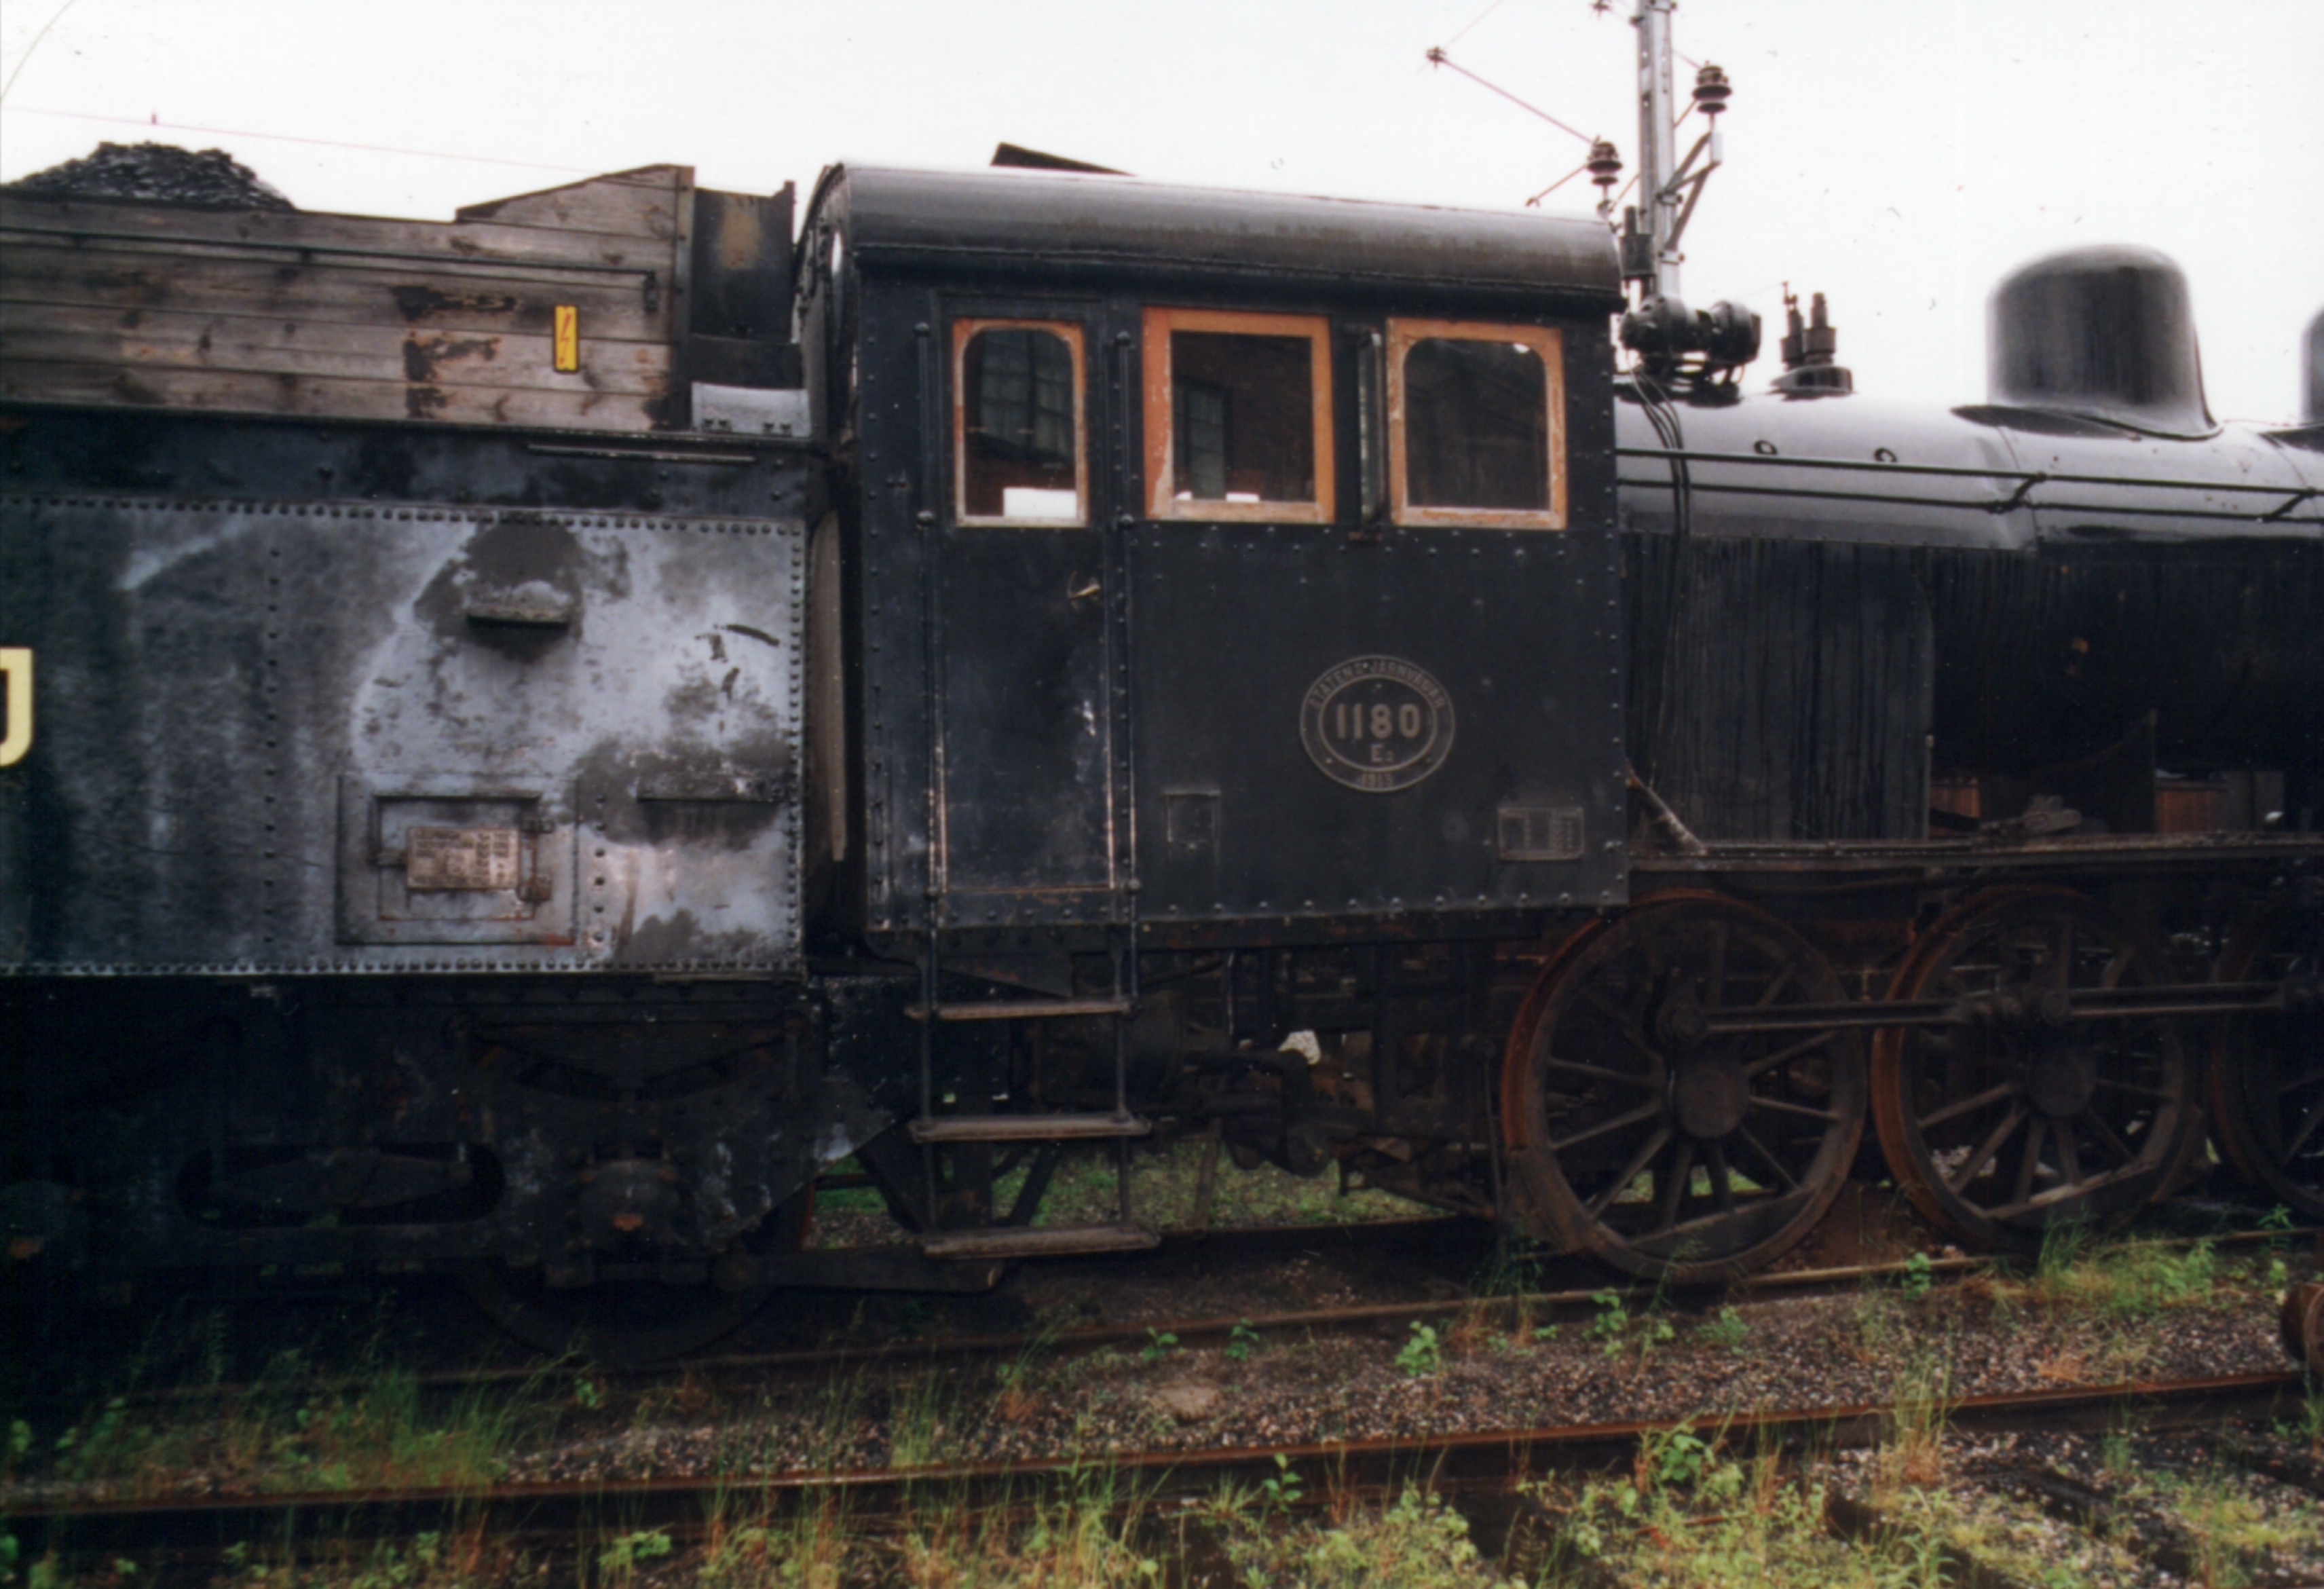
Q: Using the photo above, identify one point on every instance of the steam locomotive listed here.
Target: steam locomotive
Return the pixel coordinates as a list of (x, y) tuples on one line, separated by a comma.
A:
[(530, 739)]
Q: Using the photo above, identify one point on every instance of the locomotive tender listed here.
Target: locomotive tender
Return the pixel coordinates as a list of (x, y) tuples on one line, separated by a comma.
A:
[(530, 739)]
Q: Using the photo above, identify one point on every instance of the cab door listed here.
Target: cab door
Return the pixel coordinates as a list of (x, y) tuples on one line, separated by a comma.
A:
[(1025, 764)]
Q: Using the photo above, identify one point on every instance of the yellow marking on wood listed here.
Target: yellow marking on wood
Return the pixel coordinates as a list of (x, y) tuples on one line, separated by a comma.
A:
[(16, 664), (567, 339)]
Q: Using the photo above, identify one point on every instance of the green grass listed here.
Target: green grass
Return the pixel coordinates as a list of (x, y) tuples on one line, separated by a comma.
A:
[(370, 1426), (1164, 1182), (1689, 1515), (2130, 1279), (1418, 1541)]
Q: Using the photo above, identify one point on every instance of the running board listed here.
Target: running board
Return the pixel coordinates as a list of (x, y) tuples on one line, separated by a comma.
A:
[(1054, 1241), (1021, 1009), (1027, 1128)]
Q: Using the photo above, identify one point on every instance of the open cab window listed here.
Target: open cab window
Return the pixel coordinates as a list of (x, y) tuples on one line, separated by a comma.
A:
[(1239, 416), (1016, 424), (1476, 424)]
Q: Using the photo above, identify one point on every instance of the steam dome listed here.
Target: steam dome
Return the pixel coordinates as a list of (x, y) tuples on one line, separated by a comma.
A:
[(2106, 332)]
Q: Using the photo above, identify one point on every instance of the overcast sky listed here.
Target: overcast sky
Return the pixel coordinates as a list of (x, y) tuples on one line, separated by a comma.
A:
[(1899, 156)]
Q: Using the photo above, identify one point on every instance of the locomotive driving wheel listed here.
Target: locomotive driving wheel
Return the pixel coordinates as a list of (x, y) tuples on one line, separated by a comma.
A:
[(2030, 1118), (1639, 1134), (2267, 1071)]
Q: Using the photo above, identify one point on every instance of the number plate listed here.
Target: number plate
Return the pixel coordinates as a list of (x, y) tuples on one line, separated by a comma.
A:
[(445, 859), (1376, 723)]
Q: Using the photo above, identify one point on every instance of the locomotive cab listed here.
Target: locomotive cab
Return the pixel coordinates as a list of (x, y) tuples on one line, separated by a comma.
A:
[(1212, 567)]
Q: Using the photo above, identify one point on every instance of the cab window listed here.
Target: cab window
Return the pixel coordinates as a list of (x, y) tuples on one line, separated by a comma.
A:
[(1016, 423), (1238, 415), (1476, 424)]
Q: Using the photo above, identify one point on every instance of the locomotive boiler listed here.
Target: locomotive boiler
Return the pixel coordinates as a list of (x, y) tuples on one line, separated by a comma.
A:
[(531, 738)]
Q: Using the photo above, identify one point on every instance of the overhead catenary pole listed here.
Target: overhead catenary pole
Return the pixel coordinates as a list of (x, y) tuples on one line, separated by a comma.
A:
[(1657, 146)]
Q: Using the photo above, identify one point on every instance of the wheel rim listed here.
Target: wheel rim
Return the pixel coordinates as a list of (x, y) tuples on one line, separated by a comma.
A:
[(1667, 1152), (2267, 1071), (1999, 1132)]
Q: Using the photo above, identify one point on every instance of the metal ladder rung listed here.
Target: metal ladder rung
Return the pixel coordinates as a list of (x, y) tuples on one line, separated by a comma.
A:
[(1021, 1009), (1054, 1241), (1027, 1128)]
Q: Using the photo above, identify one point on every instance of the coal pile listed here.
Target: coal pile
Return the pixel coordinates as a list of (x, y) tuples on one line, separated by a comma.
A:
[(155, 173)]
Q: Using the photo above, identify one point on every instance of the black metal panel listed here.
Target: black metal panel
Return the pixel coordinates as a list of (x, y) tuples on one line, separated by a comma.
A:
[(742, 266), (1238, 817), (246, 708), (889, 575), (1781, 687), (2051, 657), (1028, 732)]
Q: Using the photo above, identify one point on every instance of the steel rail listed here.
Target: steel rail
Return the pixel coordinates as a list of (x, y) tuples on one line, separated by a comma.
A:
[(1494, 1456), (1510, 1311)]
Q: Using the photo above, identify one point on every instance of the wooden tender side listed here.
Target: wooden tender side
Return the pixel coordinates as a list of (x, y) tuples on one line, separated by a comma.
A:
[(121, 304)]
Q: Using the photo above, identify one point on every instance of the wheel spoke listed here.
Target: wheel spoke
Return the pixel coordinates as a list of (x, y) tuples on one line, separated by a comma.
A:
[(1786, 1106), (1601, 1073), (1969, 1105), (1617, 1123), (1714, 990), (2029, 1160), (2106, 1134), (1743, 1134), (1621, 1022), (2066, 952), (1780, 1056), (1674, 1188), (2315, 1117), (1645, 1155), (1775, 988), (2296, 1083), (1721, 1191), (2070, 1163), (1974, 1165)]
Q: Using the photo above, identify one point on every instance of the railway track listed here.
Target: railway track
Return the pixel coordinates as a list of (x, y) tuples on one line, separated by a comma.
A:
[(188, 1528), (1506, 1477)]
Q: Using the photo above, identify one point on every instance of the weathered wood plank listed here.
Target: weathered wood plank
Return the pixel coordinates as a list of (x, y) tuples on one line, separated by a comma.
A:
[(641, 204), (311, 230), (74, 280), (259, 344), (317, 397)]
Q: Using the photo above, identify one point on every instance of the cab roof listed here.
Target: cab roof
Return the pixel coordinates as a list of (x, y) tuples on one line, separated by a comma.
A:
[(1068, 226)]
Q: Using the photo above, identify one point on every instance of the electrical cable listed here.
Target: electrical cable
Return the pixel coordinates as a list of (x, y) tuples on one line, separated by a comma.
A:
[(31, 49), (1456, 39), (291, 138)]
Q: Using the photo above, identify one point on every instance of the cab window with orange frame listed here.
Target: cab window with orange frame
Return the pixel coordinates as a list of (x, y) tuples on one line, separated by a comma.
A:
[(1018, 457), (1476, 424), (1238, 416)]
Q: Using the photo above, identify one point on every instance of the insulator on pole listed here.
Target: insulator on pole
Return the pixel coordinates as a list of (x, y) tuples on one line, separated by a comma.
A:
[(1605, 166), (1712, 90)]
